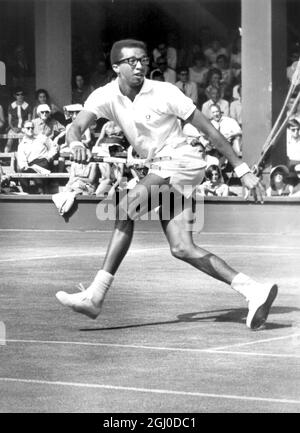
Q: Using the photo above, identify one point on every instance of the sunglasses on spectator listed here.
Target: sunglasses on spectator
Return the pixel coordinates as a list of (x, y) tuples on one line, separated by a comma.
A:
[(20, 94), (44, 112), (132, 61), (29, 127), (294, 129)]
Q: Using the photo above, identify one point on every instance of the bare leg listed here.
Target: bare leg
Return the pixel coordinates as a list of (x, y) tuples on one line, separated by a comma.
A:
[(183, 247)]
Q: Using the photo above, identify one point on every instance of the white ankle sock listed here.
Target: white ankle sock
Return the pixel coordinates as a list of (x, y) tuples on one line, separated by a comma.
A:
[(243, 285), (97, 290)]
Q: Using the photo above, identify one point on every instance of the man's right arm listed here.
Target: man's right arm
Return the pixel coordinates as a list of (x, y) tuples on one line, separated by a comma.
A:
[(74, 134)]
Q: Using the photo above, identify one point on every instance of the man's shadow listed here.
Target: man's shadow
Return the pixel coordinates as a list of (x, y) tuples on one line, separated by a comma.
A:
[(237, 315)]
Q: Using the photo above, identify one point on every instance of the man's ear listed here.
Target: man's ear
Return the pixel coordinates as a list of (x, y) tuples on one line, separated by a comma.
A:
[(116, 68)]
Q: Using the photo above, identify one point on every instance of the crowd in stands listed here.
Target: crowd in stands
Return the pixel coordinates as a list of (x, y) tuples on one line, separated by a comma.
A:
[(209, 74)]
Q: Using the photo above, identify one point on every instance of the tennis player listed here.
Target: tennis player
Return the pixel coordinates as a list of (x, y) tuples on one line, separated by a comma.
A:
[(148, 111)]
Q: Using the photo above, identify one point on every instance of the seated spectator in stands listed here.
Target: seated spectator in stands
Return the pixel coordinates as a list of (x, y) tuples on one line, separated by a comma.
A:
[(228, 127), (188, 87), (296, 188), (235, 108), (168, 73), (215, 98), (2, 118), (198, 74), (42, 97), (35, 150), (157, 75), (227, 76), (111, 135), (72, 111), (293, 142), (102, 75), (212, 52), (8, 186), (236, 58), (167, 52), (18, 112), (83, 181), (214, 79), (279, 185), (81, 90), (45, 124), (214, 184)]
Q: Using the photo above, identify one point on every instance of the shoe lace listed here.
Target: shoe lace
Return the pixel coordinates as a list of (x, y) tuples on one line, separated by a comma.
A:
[(81, 287)]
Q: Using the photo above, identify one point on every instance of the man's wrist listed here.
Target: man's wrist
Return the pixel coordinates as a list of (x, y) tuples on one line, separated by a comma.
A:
[(242, 169)]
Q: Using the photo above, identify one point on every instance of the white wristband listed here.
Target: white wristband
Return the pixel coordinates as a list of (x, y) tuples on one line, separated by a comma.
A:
[(76, 144), (242, 169)]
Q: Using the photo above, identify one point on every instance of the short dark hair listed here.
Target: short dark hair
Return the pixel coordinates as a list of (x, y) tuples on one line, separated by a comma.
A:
[(39, 91), (293, 123), (210, 169), (183, 69), (115, 52)]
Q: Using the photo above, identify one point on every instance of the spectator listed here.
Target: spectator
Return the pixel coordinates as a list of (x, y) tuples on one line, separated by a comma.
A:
[(293, 142), (157, 75), (279, 185), (168, 73), (2, 118), (110, 135), (236, 58), (18, 112), (296, 189), (198, 74), (188, 87), (212, 52), (228, 127), (81, 90), (214, 185), (227, 75), (34, 150), (203, 149), (215, 98), (167, 52), (214, 79), (45, 124), (42, 97), (235, 108), (101, 75)]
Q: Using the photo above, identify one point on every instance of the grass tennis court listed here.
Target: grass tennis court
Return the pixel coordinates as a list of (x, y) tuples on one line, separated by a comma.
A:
[(169, 339)]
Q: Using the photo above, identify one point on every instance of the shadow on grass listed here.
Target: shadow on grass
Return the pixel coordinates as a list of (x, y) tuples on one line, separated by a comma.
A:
[(237, 315)]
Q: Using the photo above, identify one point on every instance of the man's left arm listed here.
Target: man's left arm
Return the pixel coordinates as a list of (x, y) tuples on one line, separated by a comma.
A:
[(249, 180)]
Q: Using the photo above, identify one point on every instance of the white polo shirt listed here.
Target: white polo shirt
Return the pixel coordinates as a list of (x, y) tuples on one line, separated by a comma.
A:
[(150, 122)]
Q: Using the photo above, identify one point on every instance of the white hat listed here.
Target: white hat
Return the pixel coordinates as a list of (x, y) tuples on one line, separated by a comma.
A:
[(43, 107), (282, 168), (73, 107), (297, 168)]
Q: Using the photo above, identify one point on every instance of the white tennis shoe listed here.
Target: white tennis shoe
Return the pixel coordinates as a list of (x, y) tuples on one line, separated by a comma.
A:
[(259, 305), (80, 302)]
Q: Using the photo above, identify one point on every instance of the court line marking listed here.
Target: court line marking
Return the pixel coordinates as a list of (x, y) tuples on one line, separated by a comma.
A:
[(248, 343), (149, 390), (166, 248), (161, 348), (271, 355), (154, 231)]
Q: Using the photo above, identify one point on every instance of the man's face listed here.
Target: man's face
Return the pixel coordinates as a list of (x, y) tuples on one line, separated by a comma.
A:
[(132, 75), (42, 98), (215, 113), (294, 131), (184, 76), (214, 95), (79, 81), (28, 129), (44, 115)]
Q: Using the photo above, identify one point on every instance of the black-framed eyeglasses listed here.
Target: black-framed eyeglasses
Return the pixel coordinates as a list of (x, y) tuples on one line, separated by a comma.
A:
[(29, 127), (20, 94), (45, 112), (132, 61)]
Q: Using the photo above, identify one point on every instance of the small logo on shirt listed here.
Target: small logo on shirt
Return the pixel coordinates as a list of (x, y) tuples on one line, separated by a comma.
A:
[(148, 117)]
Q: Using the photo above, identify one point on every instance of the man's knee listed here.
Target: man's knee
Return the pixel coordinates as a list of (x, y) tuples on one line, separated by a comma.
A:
[(182, 251)]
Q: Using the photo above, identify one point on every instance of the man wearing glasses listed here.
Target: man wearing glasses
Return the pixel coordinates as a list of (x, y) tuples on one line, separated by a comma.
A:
[(35, 151), (45, 124), (18, 112), (148, 111)]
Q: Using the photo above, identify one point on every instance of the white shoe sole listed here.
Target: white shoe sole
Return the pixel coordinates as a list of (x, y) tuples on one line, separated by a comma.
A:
[(257, 318), (84, 306)]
